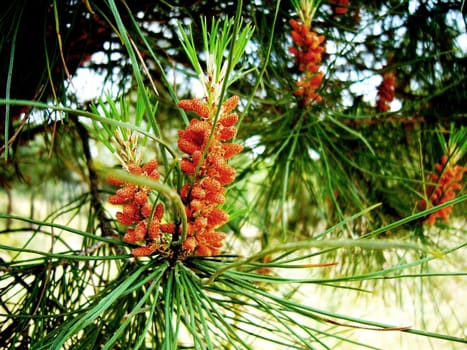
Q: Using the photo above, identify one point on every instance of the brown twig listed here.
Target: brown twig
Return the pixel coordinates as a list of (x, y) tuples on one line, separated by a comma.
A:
[(104, 221)]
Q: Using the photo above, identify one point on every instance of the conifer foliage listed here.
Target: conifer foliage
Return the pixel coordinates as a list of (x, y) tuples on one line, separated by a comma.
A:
[(244, 173)]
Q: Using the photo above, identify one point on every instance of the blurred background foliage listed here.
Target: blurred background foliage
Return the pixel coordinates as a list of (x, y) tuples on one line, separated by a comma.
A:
[(304, 170)]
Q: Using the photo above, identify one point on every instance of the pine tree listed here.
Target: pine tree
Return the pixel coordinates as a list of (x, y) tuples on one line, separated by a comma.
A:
[(246, 170)]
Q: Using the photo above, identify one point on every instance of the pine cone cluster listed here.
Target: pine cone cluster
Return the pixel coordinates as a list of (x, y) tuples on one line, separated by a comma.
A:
[(308, 48)]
